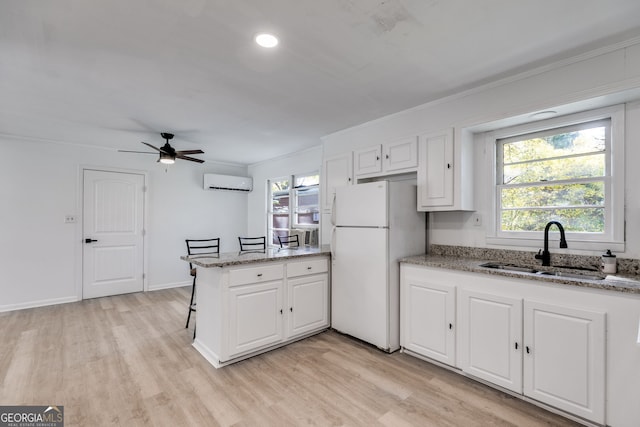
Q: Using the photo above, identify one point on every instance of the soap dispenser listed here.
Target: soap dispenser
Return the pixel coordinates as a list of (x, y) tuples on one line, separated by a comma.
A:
[(608, 263)]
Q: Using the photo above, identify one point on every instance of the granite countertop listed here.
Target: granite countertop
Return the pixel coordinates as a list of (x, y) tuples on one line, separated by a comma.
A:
[(622, 282), (252, 257)]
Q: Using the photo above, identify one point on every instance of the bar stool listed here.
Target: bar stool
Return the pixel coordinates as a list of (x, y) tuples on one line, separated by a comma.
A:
[(253, 244), (199, 247), (291, 241)]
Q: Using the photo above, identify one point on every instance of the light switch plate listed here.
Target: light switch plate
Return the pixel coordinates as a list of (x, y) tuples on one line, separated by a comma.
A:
[(69, 219)]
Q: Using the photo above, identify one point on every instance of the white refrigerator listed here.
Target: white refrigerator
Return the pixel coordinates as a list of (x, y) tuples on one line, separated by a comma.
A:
[(375, 224)]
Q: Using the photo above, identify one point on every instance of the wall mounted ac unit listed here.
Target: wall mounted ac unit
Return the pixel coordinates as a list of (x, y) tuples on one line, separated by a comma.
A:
[(214, 181)]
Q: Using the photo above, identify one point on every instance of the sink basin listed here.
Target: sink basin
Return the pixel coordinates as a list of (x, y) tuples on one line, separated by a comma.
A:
[(509, 267), (570, 275), (527, 269)]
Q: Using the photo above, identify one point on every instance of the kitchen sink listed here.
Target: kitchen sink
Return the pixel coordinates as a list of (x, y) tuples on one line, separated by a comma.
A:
[(526, 269), (509, 267), (570, 275)]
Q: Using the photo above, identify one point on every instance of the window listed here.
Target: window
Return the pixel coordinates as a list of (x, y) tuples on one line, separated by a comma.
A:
[(561, 170), (294, 206)]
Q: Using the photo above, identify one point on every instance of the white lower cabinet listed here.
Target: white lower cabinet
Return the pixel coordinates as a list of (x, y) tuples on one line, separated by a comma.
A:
[(547, 351), (308, 304), (491, 338), (428, 311), (564, 358), (246, 310), (255, 316)]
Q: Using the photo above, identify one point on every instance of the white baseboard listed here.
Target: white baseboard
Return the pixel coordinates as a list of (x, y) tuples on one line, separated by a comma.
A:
[(169, 285), (41, 303), (65, 300)]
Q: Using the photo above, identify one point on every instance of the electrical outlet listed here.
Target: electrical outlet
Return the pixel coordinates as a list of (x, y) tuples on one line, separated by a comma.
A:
[(69, 219), (476, 218)]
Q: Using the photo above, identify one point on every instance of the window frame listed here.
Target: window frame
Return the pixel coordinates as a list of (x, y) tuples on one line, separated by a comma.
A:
[(613, 236), (293, 204)]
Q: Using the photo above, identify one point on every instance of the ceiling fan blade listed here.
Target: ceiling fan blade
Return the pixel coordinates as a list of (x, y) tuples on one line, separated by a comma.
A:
[(191, 159), (190, 152), (140, 152), (149, 145)]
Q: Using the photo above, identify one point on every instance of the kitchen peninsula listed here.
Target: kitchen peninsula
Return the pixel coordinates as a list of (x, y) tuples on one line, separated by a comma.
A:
[(252, 302)]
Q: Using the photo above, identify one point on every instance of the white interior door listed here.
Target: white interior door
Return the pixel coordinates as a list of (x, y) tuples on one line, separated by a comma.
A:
[(113, 220)]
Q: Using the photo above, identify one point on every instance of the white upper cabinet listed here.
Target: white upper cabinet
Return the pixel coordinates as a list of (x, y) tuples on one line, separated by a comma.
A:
[(368, 160), (390, 158), (445, 172), (401, 155), (337, 172)]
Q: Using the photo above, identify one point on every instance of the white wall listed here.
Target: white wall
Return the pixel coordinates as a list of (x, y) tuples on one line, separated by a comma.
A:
[(40, 255), (297, 163), (600, 78)]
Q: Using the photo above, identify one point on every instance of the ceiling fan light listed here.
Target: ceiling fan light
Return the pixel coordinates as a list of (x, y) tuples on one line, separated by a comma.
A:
[(167, 159)]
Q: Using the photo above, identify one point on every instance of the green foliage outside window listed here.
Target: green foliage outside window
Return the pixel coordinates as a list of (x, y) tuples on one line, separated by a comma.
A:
[(557, 177)]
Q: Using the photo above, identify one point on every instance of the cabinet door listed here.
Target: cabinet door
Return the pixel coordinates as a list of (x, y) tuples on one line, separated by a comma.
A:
[(564, 360), (308, 304), (367, 161), (338, 172), (255, 316), (428, 316), (435, 174), (401, 155), (490, 334)]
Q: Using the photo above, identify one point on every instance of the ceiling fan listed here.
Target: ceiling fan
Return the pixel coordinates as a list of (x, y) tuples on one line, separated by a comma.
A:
[(168, 154)]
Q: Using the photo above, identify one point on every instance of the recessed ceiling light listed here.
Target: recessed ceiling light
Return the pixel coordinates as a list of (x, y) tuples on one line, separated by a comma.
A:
[(267, 40), (543, 114)]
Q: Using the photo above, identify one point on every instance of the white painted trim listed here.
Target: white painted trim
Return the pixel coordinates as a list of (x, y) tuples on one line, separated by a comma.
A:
[(39, 303), (80, 219), (168, 286)]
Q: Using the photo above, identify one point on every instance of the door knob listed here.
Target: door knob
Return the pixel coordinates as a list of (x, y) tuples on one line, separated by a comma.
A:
[(89, 240)]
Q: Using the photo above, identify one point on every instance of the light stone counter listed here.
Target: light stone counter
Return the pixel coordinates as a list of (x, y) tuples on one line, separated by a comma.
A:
[(464, 259), (252, 257)]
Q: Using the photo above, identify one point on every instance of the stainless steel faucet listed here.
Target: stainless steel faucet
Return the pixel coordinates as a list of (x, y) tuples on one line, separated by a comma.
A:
[(544, 255)]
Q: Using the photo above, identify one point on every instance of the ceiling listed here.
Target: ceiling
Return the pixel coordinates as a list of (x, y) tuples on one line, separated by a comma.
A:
[(113, 73)]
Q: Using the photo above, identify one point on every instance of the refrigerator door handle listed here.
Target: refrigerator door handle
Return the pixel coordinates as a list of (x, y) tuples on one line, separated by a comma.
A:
[(333, 243), (333, 210)]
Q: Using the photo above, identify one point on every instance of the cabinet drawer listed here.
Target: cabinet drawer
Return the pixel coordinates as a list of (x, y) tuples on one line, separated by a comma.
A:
[(262, 273), (302, 268)]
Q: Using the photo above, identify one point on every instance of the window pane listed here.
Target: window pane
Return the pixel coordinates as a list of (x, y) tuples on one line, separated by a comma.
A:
[(307, 180), (562, 144), (584, 194), (589, 220), (556, 169)]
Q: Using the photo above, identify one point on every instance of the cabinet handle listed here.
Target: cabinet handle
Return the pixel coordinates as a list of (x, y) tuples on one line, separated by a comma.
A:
[(309, 268), (349, 179), (386, 156), (448, 165), (450, 326), (377, 157), (280, 311), (291, 309), (259, 274), (516, 346), (528, 349)]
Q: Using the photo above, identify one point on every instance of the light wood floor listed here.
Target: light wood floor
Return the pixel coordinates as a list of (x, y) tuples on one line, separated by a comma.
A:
[(127, 360)]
